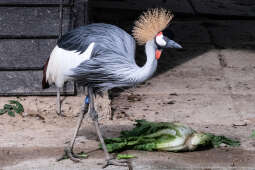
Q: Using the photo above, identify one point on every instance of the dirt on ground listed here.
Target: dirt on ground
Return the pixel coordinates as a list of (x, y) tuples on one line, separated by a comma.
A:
[(36, 139)]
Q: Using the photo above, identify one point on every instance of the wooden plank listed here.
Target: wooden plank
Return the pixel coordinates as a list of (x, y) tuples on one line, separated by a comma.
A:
[(80, 12), (32, 21), (225, 7), (17, 83), (32, 2), (181, 6), (24, 54)]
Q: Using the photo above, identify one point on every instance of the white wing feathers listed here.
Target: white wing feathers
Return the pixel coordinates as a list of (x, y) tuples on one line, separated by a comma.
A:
[(62, 61)]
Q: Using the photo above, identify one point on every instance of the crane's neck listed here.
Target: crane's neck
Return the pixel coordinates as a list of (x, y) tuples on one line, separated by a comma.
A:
[(145, 72)]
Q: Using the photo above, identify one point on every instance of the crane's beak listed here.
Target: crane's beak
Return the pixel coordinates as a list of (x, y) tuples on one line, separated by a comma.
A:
[(172, 44)]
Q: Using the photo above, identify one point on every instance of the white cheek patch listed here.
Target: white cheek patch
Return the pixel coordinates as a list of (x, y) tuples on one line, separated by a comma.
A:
[(160, 40)]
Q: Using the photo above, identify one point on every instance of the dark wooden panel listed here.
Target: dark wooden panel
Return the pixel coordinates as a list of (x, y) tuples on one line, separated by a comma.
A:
[(181, 6), (27, 83), (33, 21), (242, 34), (184, 31), (189, 32), (36, 2), (24, 54), (225, 7), (81, 12)]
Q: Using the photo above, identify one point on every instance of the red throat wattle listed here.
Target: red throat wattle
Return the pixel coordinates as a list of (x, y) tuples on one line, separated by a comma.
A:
[(160, 33), (158, 54)]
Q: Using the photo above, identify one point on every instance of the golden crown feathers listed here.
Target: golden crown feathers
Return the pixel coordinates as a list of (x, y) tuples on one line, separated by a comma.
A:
[(150, 23)]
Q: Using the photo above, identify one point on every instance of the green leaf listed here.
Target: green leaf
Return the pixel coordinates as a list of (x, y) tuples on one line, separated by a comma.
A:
[(18, 107), (125, 156), (11, 113), (217, 140), (143, 128), (253, 134), (2, 111), (82, 155), (8, 107)]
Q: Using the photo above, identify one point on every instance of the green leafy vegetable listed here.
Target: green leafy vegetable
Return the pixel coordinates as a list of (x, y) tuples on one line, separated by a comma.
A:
[(125, 156), (8, 106), (82, 155), (18, 107), (2, 111), (12, 108), (11, 113), (165, 136), (217, 140)]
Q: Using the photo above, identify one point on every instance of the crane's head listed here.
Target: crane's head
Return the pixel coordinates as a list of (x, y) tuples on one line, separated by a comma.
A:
[(162, 41), (151, 25)]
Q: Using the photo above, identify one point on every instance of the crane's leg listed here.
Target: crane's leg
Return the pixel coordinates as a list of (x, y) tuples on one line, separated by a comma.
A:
[(94, 116), (82, 107), (69, 150), (59, 103)]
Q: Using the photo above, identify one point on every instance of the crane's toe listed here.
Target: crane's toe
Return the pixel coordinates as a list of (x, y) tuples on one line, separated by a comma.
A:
[(59, 113), (117, 163), (72, 156)]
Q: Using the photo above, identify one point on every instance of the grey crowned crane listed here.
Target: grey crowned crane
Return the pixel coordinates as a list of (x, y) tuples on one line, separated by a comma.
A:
[(102, 56)]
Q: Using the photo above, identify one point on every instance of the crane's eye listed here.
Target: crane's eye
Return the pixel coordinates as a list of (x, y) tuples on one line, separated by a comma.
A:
[(160, 40)]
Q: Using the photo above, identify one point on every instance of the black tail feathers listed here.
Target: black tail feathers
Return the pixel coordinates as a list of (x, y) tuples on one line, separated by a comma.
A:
[(45, 83)]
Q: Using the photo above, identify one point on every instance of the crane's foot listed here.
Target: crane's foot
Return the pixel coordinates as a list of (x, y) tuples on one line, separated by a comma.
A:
[(116, 163), (60, 114), (72, 156), (59, 111)]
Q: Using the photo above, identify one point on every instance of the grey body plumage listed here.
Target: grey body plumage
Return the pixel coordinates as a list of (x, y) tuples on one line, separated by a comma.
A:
[(112, 62)]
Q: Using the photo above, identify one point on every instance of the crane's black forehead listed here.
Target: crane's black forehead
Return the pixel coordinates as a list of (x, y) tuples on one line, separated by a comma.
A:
[(168, 32)]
